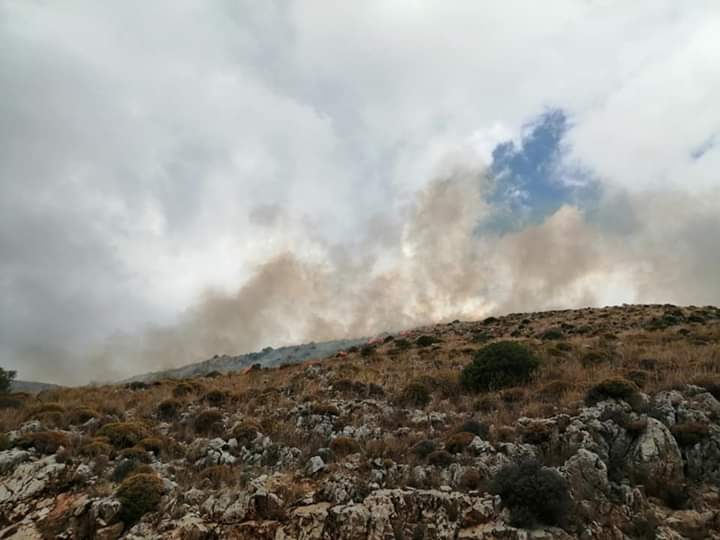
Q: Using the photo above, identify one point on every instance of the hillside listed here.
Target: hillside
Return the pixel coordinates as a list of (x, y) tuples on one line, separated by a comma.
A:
[(590, 424)]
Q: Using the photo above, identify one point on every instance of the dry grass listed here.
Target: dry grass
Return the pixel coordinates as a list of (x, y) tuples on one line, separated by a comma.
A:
[(595, 345)]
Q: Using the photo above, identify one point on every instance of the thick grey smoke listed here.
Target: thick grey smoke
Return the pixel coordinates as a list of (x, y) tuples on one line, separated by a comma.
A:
[(435, 266)]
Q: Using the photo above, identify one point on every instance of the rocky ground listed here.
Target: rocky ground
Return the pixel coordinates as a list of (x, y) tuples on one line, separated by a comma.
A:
[(615, 435)]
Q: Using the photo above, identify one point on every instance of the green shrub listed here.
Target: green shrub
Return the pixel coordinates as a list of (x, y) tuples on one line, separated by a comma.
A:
[(612, 388), (208, 422), (415, 394), (153, 444), (123, 434), (38, 410), (6, 379), (138, 495), (499, 365), (169, 409), (215, 398), (533, 494), (426, 341)]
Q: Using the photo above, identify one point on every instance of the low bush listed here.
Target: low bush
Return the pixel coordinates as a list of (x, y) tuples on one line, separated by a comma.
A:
[(710, 384), (343, 446), (612, 388), (424, 448), (499, 365), (415, 394), (215, 398), (44, 408), (426, 341), (80, 415), (440, 458), (153, 444), (184, 389), (138, 495), (123, 434), (169, 409), (208, 422), (458, 442), (10, 401), (245, 432), (553, 391), (45, 442), (94, 449), (533, 494), (324, 409), (480, 429)]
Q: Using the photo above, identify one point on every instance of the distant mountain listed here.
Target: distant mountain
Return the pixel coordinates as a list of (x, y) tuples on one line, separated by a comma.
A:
[(268, 357), (32, 387)]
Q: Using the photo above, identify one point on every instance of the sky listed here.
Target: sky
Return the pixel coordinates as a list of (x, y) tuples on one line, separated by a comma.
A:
[(181, 179)]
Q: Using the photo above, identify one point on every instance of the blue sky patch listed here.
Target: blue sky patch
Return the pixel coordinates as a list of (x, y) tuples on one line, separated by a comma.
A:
[(531, 183)]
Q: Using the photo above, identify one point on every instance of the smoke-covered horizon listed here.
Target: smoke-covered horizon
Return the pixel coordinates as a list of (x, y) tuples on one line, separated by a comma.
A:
[(183, 180)]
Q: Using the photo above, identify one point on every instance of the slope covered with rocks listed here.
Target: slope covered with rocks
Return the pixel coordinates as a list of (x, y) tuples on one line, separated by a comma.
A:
[(592, 423)]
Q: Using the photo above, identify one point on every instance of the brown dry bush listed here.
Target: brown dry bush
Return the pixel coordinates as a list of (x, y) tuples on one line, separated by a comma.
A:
[(343, 446), (123, 434), (208, 422), (45, 442)]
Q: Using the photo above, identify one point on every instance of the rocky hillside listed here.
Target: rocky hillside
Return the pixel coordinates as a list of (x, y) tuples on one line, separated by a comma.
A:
[(588, 424)]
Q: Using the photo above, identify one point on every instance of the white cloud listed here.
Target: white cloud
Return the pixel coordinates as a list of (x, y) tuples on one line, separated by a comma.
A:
[(138, 139)]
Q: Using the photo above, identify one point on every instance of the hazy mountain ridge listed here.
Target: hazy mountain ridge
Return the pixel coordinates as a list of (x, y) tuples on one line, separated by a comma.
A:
[(267, 358)]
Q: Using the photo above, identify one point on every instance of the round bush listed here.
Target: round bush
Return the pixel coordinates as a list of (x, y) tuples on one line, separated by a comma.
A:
[(612, 388), (499, 365), (458, 442), (424, 448), (45, 442), (476, 428), (532, 493), (168, 409), (138, 495), (415, 395), (208, 422), (343, 446), (441, 458), (122, 434)]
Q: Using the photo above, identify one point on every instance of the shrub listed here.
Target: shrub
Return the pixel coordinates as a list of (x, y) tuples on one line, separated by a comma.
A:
[(367, 350), (168, 409), (45, 442), (136, 454), (127, 467), (485, 404), (513, 395), (208, 422), (152, 444), (245, 432), (402, 344), (594, 358), (139, 494), (470, 480), (426, 341), (532, 493), (94, 449), (551, 334), (612, 388), (9, 401), (5, 443), (184, 389), (6, 379), (80, 415), (123, 434), (424, 448), (324, 409), (441, 458), (458, 442), (499, 365), (343, 446), (215, 398), (217, 475), (638, 376), (710, 384), (136, 385), (476, 428), (50, 407), (690, 433), (415, 394)]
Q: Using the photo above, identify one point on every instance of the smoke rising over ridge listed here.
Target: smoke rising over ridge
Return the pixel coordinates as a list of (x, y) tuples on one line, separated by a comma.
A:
[(184, 179), (438, 269)]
